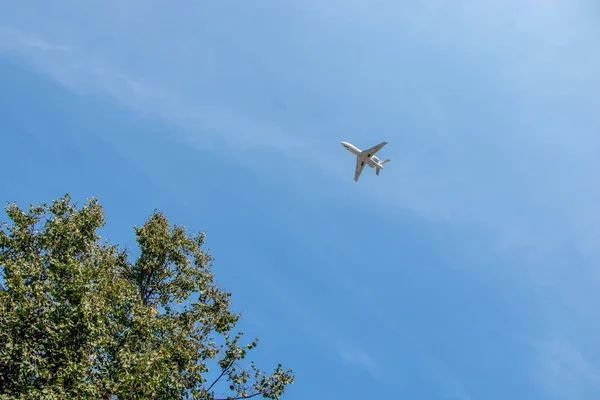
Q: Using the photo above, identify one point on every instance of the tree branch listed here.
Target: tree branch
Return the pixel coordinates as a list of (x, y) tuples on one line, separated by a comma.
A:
[(243, 397), (220, 376)]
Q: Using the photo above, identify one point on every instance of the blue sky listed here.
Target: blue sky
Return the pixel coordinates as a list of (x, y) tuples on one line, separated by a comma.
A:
[(467, 270)]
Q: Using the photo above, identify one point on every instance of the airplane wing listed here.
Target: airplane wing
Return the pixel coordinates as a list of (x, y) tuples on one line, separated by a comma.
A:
[(374, 149), (359, 167)]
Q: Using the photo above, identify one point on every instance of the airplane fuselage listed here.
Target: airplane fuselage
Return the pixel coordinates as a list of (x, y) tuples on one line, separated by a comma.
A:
[(370, 160)]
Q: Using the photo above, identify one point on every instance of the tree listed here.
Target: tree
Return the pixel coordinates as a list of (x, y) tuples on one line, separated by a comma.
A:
[(78, 319)]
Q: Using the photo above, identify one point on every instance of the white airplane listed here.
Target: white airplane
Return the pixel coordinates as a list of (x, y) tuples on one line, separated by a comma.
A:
[(366, 157)]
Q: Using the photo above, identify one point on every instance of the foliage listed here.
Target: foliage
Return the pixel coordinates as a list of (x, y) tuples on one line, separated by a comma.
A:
[(79, 320)]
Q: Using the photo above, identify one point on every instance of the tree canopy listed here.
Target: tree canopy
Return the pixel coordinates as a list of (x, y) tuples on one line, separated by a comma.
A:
[(79, 319)]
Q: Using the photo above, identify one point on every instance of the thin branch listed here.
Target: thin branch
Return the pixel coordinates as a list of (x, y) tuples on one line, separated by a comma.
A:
[(243, 397), (220, 376)]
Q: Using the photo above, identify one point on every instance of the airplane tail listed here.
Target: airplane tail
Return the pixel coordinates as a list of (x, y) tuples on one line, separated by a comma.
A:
[(381, 162)]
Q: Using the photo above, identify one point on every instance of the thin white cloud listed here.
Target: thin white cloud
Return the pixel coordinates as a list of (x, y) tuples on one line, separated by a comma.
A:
[(563, 371), (361, 359), (11, 39), (452, 385), (85, 72)]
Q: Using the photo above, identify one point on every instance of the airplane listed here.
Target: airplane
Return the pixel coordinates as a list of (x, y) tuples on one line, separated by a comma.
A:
[(366, 157)]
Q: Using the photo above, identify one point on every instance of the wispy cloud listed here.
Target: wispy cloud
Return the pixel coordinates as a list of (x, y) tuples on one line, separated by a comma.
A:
[(451, 385), (361, 359), (14, 40), (563, 371), (88, 72)]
